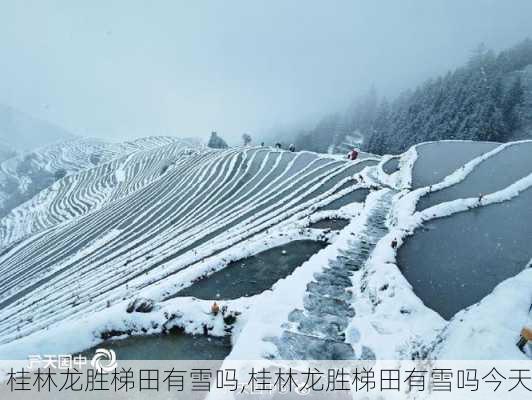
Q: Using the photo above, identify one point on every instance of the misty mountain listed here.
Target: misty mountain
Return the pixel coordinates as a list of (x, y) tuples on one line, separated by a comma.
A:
[(6, 152), (20, 131), (488, 99)]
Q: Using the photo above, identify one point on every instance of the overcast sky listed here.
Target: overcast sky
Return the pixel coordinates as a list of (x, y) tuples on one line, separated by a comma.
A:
[(124, 69)]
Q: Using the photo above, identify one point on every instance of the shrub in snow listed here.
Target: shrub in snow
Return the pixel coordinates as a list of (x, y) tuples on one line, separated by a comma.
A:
[(141, 305)]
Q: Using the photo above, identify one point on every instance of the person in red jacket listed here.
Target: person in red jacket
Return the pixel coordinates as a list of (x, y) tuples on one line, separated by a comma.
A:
[(352, 155)]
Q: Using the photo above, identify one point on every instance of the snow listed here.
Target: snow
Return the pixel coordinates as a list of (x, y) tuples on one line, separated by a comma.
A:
[(389, 316), (405, 220), (120, 249), (514, 160), (490, 328), (76, 336), (86, 186), (439, 159), (122, 230), (270, 313)]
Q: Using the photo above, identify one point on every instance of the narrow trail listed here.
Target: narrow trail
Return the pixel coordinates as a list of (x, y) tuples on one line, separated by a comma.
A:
[(318, 331)]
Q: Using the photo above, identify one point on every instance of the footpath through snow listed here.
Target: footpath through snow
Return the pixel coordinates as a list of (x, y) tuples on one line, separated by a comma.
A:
[(348, 301)]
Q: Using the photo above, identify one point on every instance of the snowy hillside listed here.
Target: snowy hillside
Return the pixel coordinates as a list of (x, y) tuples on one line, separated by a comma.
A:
[(313, 256), (68, 179), (24, 175)]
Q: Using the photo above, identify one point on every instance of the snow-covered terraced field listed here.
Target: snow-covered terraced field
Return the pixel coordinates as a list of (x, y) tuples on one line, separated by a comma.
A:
[(100, 173), (148, 223), (112, 231), (26, 175)]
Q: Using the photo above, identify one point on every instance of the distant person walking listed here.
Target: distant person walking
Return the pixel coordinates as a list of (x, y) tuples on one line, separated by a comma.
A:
[(352, 155), (292, 147)]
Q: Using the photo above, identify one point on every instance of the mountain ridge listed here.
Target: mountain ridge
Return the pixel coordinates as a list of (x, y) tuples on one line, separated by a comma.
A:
[(22, 131)]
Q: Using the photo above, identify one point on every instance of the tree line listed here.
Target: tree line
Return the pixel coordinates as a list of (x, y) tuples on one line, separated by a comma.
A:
[(482, 100)]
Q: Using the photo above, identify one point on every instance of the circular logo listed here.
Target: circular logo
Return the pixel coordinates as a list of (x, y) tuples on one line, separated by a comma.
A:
[(104, 360)]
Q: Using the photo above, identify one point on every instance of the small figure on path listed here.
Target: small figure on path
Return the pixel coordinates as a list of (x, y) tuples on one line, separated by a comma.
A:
[(215, 309), (352, 155)]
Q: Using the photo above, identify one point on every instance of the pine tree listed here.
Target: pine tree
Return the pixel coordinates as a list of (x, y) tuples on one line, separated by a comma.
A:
[(474, 102), (511, 105), (216, 142)]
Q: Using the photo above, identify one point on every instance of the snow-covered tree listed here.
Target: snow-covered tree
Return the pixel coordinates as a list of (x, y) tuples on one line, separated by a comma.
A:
[(216, 142), (246, 138), (483, 100)]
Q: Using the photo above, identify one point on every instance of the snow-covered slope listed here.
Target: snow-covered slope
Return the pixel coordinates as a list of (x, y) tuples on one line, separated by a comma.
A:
[(26, 174), (155, 221), (131, 225), (68, 179), (459, 234)]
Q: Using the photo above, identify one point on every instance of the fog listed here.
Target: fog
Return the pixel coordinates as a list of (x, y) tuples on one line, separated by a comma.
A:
[(125, 69)]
